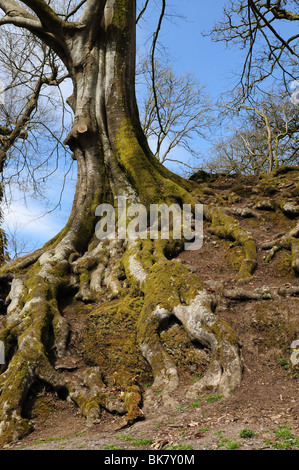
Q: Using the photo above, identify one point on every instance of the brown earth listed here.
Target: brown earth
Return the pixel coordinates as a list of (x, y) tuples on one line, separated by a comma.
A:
[(266, 401)]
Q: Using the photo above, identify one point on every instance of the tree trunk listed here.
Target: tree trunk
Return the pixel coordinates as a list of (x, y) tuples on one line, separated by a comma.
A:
[(141, 285)]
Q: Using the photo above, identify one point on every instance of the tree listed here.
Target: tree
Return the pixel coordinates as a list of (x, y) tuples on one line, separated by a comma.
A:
[(31, 101), (185, 111), (140, 283), (265, 137)]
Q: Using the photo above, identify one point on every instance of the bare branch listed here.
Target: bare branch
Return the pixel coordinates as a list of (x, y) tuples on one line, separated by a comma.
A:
[(45, 13), (155, 39), (142, 11)]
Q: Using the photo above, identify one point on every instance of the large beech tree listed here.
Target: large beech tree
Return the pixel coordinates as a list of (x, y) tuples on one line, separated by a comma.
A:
[(132, 289)]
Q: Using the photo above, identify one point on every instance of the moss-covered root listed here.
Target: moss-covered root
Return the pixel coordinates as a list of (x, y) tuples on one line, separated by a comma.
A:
[(98, 269), (32, 316), (29, 364), (225, 370), (164, 371), (290, 241), (91, 396), (144, 265), (225, 226), (170, 289)]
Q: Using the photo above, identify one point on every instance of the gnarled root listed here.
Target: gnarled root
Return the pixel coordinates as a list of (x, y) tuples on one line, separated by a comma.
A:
[(289, 241), (171, 290), (148, 290), (225, 226)]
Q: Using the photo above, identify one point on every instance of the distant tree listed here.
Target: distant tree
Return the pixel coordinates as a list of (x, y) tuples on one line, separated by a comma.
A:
[(181, 112), (30, 105), (266, 136)]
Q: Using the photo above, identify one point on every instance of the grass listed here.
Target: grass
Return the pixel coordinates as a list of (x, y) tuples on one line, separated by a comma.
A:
[(125, 437), (135, 442), (181, 408), (50, 439), (195, 403), (285, 439), (213, 398), (179, 447), (142, 442), (283, 362), (204, 429), (197, 378), (233, 445), (210, 399), (247, 433), (111, 447), (229, 444)]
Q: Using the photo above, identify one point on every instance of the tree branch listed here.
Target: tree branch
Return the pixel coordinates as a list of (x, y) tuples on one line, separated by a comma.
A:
[(45, 13), (156, 34), (12, 8), (258, 14), (142, 11), (91, 8)]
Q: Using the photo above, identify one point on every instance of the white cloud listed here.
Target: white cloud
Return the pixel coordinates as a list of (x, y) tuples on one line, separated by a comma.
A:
[(28, 222)]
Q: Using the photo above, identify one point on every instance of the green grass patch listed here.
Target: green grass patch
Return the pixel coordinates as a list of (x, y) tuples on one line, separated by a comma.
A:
[(213, 398), (179, 447), (247, 433), (112, 447)]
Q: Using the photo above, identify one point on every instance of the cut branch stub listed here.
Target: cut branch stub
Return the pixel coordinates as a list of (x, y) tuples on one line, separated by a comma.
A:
[(82, 128)]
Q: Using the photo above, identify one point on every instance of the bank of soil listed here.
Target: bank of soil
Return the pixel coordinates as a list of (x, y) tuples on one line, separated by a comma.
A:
[(262, 412)]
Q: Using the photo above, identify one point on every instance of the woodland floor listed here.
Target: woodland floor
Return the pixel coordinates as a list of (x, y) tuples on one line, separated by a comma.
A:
[(266, 401)]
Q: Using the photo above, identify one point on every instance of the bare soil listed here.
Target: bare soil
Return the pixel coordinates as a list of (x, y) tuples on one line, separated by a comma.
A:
[(266, 402)]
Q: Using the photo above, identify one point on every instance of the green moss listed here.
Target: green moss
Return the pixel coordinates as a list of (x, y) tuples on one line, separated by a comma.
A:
[(281, 265), (228, 228), (276, 328), (110, 341), (147, 175), (242, 190), (223, 332), (233, 257), (180, 348), (295, 254), (11, 429)]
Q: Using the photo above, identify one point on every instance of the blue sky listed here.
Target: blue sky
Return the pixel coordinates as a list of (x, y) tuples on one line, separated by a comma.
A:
[(211, 62), (189, 51)]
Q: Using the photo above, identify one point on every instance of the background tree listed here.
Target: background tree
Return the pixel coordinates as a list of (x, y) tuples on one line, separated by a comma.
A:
[(185, 111), (140, 284), (32, 107), (264, 138)]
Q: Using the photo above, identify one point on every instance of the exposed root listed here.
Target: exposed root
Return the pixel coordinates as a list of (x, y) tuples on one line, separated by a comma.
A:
[(262, 293), (98, 269), (289, 241), (170, 289), (148, 290), (225, 226)]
